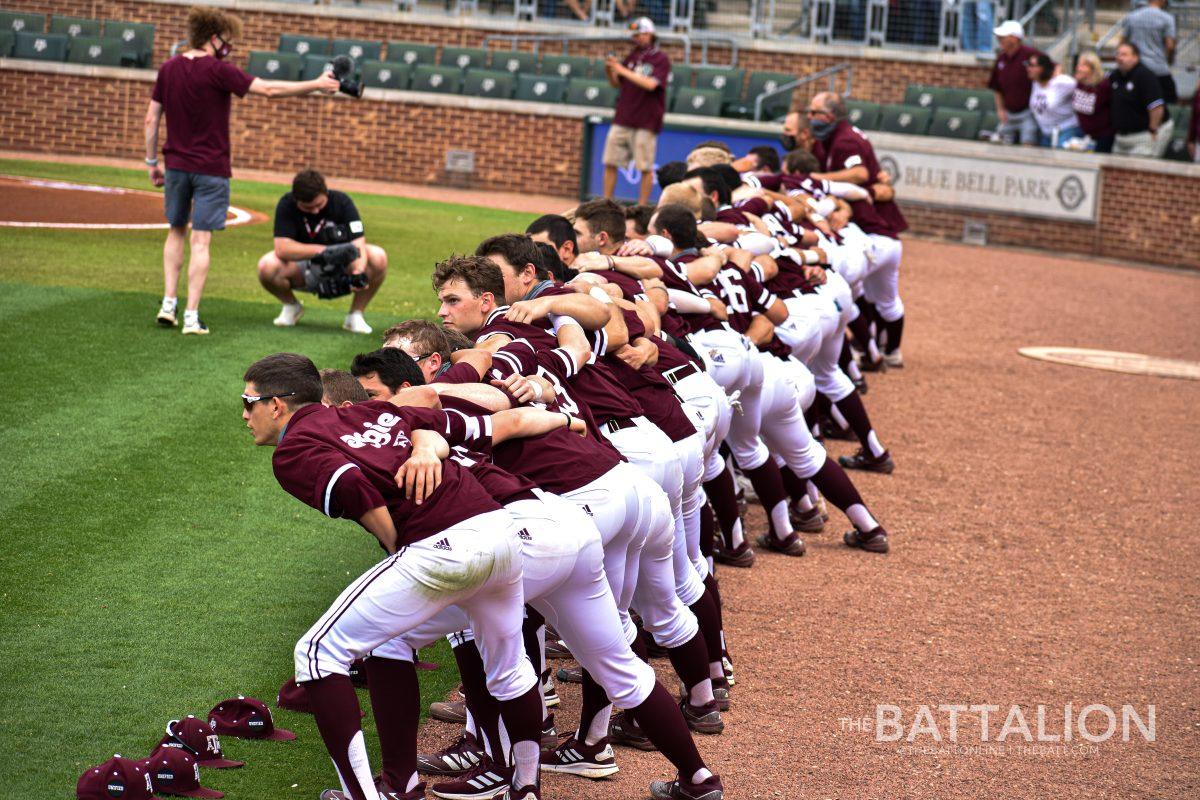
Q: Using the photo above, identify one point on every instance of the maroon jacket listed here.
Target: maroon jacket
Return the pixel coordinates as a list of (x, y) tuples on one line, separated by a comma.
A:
[(845, 148)]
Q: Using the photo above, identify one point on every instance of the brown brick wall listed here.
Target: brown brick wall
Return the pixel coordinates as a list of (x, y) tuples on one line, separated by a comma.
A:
[(877, 80)]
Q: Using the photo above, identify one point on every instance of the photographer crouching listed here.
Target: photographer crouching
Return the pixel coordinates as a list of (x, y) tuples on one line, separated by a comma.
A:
[(320, 248)]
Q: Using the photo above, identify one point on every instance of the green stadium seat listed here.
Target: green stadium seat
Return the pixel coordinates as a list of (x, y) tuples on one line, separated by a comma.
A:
[(411, 53), (358, 49), (918, 95), (41, 46), (595, 69), (515, 62), (488, 83), (275, 66), (303, 45), (314, 66), (968, 99), (137, 40), (567, 67), (19, 21), (863, 115), (1177, 147), (385, 74), (671, 92), (95, 51), (954, 124), (990, 123), (541, 88), (464, 58), (681, 75), (75, 26), (698, 102), (441, 80), (587, 92), (726, 81), (8, 38), (902, 118), (760, 83)]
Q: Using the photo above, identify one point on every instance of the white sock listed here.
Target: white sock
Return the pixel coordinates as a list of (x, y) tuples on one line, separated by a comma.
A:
[(598, 728), (170, 303), (877, 448), (190, 316), (701, 775), (805, 504), (701, 693), (736, 535), (861, 518), (716, 670), (780, 520), (526, 754)]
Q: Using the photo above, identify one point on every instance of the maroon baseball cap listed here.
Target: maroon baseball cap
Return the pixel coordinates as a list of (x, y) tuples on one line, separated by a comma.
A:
[(173, 770), (115, 779), (246, 717), (199, 741)]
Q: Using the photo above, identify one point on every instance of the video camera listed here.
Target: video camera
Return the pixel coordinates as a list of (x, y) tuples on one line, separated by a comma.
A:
[(327, 275), (343, 69)]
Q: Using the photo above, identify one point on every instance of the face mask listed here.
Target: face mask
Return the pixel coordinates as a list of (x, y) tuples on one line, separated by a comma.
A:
[(822, 128), (788, 141), (224, 50)]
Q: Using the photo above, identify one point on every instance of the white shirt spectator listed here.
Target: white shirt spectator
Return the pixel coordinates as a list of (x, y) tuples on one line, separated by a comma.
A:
[(1051, 103)]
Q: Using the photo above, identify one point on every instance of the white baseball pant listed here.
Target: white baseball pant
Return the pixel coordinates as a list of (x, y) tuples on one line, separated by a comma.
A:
[(708, 406), (881, 286)]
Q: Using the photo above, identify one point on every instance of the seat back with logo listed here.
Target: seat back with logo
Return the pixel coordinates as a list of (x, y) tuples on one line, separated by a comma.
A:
[(955, 124), (862, 114), (137, 40), (411, 53), (314, 66), (488, 83), (41, 46), (587, 92), (541, 88), (568, 67), (20, 22), (358, 49), (385, 74), (463, 58), (275, 66), (515, 62), (698, 102), (441, 80), (681, 76), (95, 50), (75, 26), (763, 83), (724, 80), (968, 99), (303, 45), (905, 119), (920, 96)]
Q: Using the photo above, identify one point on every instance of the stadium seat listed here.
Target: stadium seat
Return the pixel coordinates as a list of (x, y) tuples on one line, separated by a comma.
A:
[(303, 45), (137, 40), (41, 46), (905, 119), (464, 58), (358, 49), (385, 74), (681, 76), (991, 122), (94, 50), (488, 83), (587, 92), (441, 80), (726, 81), (595, 69), (75, 26), (968, 99), (541, 88), (921, 96), (1177, 147), (314, 66), (274, 66), (411, 53), (514, 62), (18, 21), (567, 67), (863, 115), (954, 124), (698, 102), (760, 83), (8, 38)]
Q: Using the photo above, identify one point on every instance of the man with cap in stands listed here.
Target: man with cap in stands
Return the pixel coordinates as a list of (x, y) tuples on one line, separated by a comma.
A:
[(1012, 85), (641, 78)]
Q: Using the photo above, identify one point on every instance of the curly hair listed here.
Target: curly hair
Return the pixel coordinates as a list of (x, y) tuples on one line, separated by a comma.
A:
[(204, 22)]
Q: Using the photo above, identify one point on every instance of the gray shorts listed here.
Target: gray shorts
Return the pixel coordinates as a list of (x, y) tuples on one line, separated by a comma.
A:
[(202, 198)]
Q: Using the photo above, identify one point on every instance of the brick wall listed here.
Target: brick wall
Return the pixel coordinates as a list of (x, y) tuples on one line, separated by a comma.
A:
[(876, 79)]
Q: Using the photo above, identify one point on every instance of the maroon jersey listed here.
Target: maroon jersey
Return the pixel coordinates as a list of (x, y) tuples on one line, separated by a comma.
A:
[(343, 462), (676, 277), (744, 297), (636, 107), (670, 356), (657, 398), (458, 373), (631, 288), (777, 217), (790, 279), (556, 366), (791, 184), (504, 487), (847, 148)]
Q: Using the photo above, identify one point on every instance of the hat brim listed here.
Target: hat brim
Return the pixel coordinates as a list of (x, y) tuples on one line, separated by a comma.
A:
[(221, 763), (199, 791), (280, 735)]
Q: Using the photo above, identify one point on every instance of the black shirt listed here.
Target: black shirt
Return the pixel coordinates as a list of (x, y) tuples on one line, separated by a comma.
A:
[(337, 222), (1133, 95)]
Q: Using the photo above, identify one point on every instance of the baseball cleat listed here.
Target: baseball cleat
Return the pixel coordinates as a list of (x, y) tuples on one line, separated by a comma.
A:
[(721, 693), (525, 793), (166, 316), (462, 755), (702, 719), (831, 430), (894, 359), (576, 758), (793, 545), (483, 782), (809, 521), (570, 674), (741, 556), (194, 328), (385, 792), (452, 711), (874, 542), (355, 323), (710, 789), (289, 315), (866, 462), (860, 384), (549, 734), (556, 649), (624, 731), (867, 365), (727, 667)]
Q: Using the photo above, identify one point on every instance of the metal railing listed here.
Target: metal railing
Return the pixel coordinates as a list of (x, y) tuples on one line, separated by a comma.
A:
[(703, 42), (831, 74)]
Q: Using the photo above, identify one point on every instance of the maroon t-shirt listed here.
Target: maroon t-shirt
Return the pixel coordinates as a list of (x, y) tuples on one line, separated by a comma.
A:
[(343, 462), (1011, 80), (631, 288), (653, 393), (846, 148), (1092, 108), (637, 108), (744, 297), (195, 96)]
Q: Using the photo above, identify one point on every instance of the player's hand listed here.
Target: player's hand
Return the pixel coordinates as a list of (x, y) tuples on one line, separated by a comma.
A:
[(721, 253), (576, 425), (156, 175), (590, 262), (326, 84), (814, 275), (526, 311), (632, 356), (635, 247), (884, 177), (420, 475), (520, 387)]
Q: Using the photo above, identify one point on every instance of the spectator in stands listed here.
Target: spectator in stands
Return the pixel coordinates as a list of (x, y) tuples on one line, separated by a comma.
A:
[(1050, 99), (1010, 81), (1193, 135), (193, 90), (1092, 100), (978, 17), (1152, 29), (307, 220), (641, 78), (1137, 105)]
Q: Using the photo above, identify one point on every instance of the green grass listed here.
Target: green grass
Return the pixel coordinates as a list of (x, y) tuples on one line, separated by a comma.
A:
[(150, 565)]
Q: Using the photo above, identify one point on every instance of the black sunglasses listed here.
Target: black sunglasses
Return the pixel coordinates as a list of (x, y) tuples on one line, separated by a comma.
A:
[(248, 400)]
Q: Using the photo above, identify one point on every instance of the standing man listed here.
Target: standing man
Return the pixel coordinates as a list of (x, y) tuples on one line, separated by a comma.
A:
[(1137, 105), (193, 89), (308, 219), (642, 80), (1152, 30), (1012, 86)]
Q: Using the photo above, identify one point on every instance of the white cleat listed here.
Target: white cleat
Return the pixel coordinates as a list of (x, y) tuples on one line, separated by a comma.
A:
[(166, 316), (194, 328), (289, 315), (355, 323), (894, 360)]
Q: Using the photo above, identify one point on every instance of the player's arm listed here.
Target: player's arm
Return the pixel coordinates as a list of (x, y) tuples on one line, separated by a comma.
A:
[(526, 389), (639, 353), (378, 522), (777, 312), (416, 397), (703, 270), (582, 308), (657, 295), (758, 224), (760, 330), (325, 83), (856, 173), (494, 343), (724, 232), (639, 267), (480, 394), (479, 359), (574, 342), (517, 423), (421, 472), (153, 118), (615, 334), (688, 303), (716, 307)]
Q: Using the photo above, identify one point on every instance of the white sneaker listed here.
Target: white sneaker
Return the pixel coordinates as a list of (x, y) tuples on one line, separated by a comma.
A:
[(355, 323), (895, 360), (166, 316), (194, 328), (290, 315)]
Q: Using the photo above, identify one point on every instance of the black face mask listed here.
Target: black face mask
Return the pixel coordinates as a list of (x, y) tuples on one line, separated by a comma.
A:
[(788, 141)]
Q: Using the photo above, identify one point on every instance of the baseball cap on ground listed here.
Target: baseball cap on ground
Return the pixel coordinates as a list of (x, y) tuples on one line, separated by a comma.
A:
[(1010, 28), (173, 770), (197, 739), (246, 717), (116, 779), (642, 25)]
